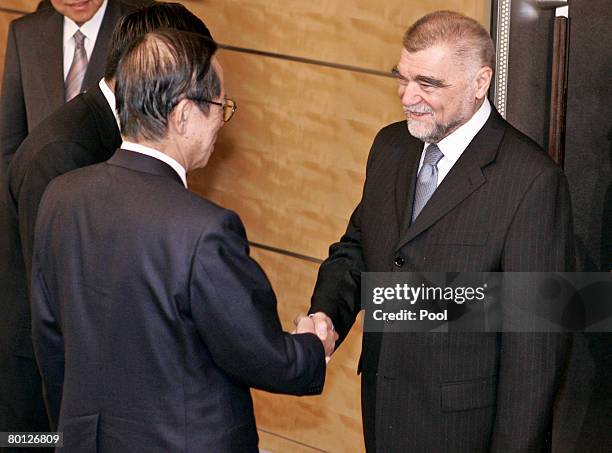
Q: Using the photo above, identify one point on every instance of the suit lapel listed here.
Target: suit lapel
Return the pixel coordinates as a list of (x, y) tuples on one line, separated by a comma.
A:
[(405, 183), (50, 55), (464, 178), (97, 62)]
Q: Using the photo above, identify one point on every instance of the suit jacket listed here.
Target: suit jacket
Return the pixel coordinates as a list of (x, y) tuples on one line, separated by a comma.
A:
[(149, 319), (82, 132), (33, 84), (504, 206)]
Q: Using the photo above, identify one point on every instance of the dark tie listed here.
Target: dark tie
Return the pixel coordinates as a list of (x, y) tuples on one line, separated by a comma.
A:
[(76, 74), (427, 181)]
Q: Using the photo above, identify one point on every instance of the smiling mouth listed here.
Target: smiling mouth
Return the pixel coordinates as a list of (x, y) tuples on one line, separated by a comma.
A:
[(79, 5), (417, 115)]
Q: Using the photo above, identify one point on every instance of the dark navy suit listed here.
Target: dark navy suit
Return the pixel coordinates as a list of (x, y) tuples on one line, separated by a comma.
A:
[(82, 132), (150, 321)]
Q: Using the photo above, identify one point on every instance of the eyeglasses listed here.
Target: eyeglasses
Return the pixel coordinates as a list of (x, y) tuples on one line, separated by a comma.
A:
[(229, 107)]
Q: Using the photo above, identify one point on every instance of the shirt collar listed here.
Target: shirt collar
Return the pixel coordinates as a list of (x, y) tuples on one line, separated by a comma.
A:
[(110, 98), (89, 29), (151, 152), (454, 144)]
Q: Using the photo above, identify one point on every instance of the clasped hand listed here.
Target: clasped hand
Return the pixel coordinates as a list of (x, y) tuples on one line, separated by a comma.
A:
[(321, 325)]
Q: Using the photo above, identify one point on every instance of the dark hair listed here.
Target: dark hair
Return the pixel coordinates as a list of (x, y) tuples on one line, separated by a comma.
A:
[(156, 72), (470, 41), (140, 22)]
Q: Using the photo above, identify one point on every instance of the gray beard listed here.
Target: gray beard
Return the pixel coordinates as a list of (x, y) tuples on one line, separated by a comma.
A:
[(439, 132)]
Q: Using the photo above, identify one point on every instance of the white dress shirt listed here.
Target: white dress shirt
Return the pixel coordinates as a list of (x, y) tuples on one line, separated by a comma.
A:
[(455, 144), (110, 98), (137, 148), (90, 29)]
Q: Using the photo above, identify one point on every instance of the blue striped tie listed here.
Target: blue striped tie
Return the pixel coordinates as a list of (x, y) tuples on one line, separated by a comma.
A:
[(427, 181)]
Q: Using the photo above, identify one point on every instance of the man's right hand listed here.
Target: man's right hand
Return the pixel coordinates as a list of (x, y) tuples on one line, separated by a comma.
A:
[(320, 325)]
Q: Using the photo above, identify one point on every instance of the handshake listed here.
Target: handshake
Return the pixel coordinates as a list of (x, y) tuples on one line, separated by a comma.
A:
[(321, 325)]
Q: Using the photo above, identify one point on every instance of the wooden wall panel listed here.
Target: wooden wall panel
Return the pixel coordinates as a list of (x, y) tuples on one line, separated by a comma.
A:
[(292, 160), (275, 443), (332, 421), (362, 33), (19, 5)]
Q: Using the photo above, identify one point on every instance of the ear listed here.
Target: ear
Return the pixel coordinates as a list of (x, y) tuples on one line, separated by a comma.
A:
[(177, 121), (483, 81)]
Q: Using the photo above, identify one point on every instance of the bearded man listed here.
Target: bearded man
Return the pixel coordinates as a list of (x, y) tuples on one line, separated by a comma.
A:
[(453, 188)]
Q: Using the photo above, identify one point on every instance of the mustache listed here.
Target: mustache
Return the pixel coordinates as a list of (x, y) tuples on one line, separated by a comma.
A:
[(423, 108)]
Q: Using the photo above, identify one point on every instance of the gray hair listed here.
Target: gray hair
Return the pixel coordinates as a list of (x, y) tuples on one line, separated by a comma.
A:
[(471, 42), (156, 72)]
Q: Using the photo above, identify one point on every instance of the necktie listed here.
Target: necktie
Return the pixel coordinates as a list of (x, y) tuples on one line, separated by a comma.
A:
[(76, 74), (427, 180)]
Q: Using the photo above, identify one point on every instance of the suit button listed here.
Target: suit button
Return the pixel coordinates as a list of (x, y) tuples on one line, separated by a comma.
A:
[(399, 261)]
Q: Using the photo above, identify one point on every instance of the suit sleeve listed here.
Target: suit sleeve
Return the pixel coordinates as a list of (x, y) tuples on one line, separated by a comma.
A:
[(47, 340), (540, 239), (337, 291), (13, 119), (234, 308)]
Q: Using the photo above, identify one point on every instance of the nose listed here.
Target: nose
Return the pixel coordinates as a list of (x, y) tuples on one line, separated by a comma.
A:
[(409, 93)]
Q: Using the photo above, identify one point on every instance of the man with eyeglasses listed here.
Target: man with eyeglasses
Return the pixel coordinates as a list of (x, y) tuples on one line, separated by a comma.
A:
[(150, 321), (82, 132)]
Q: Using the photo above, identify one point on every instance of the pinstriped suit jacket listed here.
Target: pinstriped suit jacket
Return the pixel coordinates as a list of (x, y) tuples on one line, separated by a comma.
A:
[(504, 206)]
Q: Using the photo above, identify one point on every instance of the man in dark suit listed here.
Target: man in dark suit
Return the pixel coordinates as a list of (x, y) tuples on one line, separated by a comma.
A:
[(455, 188), (82, 132), (39, 55), (149, 319)]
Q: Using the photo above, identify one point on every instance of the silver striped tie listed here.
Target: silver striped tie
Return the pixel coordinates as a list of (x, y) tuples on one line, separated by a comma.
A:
[(427, 180), (78, 68)]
